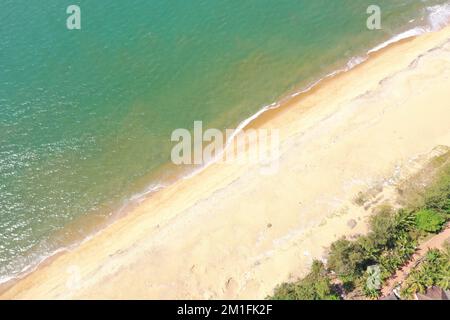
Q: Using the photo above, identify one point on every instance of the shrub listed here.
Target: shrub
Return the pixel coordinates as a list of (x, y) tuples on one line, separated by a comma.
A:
[(315, 286), (346, 258), (429, 220), (438, 196), (383, 226), (439, 201)]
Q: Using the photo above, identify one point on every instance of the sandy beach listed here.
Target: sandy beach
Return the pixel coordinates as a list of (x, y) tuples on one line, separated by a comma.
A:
[(232, 232)]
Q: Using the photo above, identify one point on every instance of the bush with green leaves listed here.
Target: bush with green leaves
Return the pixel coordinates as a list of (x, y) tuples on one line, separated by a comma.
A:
[(429, 220), (346, 258), (315, 286), (437, 197)]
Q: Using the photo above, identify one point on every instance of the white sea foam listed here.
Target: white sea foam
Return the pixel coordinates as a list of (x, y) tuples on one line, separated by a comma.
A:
[(401, 36), (355, 61), (437, 17)]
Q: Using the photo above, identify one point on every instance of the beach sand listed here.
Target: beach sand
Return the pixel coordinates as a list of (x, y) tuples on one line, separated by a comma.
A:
[(232, 232)]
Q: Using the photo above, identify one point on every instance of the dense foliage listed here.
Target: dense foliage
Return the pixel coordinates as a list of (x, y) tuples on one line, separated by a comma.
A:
[(389, 245), (429, 220), (433, 271), (315, 286)]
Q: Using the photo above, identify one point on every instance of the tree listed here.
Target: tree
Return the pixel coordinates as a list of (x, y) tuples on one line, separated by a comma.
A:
[(315, 286), (438, 197), (434, 271), (383, 227), (347, 258)]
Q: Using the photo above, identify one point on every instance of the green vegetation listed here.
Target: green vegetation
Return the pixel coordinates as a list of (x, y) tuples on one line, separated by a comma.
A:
[(429, 220), (433, 271), (361, 266), (388, 246), (315, 286)]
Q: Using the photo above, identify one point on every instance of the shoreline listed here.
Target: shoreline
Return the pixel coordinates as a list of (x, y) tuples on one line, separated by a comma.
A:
[(160, 201), (254, 121)]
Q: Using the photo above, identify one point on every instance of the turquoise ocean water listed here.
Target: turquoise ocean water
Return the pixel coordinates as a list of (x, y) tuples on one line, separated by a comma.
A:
[(86, 116)]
